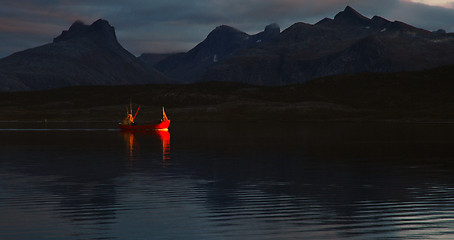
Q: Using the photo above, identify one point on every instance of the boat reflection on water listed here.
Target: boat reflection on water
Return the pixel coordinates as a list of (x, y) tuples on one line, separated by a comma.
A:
[(134, 146), (164, 136)]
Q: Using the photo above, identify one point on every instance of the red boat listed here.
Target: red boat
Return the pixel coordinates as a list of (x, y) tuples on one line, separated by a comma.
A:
[(129, 124)]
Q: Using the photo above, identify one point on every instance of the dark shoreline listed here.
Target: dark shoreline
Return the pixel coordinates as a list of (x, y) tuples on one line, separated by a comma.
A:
[(425, 96)]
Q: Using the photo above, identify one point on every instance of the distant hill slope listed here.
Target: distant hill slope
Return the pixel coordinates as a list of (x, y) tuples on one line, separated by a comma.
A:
[(83, 55), (408, 96), (222, 43), (349, 43)]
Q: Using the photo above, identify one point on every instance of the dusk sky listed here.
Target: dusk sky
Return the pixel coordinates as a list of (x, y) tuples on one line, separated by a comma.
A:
[(159, 26)]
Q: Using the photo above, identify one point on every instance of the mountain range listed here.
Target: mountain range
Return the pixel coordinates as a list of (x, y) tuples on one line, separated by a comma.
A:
[(348, 43), (82, 55), (222, 43)]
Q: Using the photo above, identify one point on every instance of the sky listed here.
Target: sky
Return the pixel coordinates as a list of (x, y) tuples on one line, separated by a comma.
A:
[(167, 26)]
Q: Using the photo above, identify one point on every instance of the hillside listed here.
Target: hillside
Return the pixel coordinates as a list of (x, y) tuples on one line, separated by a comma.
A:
[(408, 96), (347, 43), (90, 55), (222, 43), (82, 55)]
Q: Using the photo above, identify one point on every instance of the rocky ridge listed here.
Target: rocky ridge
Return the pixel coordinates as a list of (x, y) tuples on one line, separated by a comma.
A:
[(82, 55)]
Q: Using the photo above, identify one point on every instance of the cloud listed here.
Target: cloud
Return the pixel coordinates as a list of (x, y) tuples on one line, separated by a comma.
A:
[(178, 25), (424, 16), (440, 3)]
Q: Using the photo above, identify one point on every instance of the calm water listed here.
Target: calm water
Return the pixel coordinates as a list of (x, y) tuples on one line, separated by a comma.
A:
[(224, 181)]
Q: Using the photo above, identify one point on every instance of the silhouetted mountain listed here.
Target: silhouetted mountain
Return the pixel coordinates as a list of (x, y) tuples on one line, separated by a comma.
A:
[(222, 43), (82, 55), (348, 43), (100, 31), (350, 17)]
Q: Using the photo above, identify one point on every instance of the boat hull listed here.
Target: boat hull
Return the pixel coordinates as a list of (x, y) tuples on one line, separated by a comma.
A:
[(160, 126)]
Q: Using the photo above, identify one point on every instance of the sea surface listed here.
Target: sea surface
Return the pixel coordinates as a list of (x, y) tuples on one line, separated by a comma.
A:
[(330, 180)]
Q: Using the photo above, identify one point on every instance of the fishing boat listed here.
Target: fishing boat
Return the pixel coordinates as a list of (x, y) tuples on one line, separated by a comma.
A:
[(129, 123)]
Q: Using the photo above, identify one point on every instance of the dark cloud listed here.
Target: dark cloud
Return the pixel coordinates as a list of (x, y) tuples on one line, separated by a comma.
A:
[(178, 25)]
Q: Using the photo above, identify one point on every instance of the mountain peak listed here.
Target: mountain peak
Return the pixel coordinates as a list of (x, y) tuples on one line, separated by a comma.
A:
[(100, 30), (224, 32), (101, 23), (351, 16), (378, 22), (103, 26), (224, 29), (76, 29), (103, 30), (77, 25), (272, 27), (271, 31), (350, 9)]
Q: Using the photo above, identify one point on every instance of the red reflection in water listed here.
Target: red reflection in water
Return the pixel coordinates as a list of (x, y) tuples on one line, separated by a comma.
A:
[(130, 141), (165, 142), (130, 138)]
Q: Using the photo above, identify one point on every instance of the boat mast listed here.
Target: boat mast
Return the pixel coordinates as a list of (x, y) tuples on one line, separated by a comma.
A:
[(164, 116), (135, 115)]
